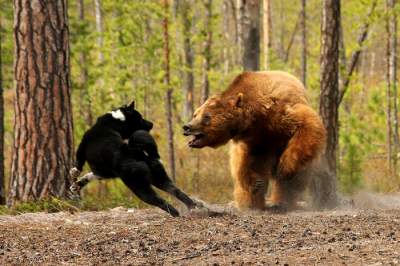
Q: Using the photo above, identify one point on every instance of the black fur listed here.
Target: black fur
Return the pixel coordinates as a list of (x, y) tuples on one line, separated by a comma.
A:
[(137, 162)]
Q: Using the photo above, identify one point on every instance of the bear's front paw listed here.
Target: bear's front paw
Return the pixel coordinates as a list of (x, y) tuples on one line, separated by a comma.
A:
[(74, 172), (279, 175), (277, 208), (283, 172)]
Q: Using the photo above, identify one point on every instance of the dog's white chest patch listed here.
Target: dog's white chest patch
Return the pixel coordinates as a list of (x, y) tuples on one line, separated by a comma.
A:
[(118, 115)]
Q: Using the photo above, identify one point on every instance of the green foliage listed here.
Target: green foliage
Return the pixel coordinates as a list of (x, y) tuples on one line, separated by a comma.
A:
[(45, 205), (6, 39)]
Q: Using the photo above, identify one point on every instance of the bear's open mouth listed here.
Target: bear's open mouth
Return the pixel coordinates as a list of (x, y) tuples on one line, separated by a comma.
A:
[(196, 140)]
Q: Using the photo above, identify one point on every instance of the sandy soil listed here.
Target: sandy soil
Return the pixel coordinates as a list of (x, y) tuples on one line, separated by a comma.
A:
[(150, 237)]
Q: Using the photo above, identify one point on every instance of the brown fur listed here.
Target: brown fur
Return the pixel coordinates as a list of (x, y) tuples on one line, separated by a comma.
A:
[(275, 133)]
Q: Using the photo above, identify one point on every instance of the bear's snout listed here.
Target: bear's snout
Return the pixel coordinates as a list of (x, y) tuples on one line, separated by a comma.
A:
[(186, 129)]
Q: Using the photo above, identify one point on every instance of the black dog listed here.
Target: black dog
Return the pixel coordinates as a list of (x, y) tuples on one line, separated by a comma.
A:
[(137, 162)]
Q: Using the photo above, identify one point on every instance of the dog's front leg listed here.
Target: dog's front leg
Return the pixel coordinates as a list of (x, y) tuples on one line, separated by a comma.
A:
[(83, 181)]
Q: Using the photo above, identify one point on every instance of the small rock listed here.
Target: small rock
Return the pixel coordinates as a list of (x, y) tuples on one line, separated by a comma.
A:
[(307, 232)]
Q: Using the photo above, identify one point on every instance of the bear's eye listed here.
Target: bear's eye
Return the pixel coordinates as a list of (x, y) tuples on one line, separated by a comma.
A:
[(206, 119)]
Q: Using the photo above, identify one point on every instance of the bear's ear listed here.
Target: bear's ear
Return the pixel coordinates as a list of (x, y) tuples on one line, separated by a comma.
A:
[(132, 105), (239, 100)]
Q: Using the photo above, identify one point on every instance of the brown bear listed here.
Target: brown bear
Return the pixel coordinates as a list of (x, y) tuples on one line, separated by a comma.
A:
[(275, 136)]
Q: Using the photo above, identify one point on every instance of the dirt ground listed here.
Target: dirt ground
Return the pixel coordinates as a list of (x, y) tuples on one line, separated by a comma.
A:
[(364, 236)]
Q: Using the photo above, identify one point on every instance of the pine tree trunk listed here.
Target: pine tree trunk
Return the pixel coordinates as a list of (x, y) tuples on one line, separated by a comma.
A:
[(329, 76), (225, 28), (280, 43), (99, 28), (251, 35), (84, 99), (189, 59), (168, 97), (239, 26), (207, 52), (342, 57), (329, 95), (270, 26), (43, 139), (392, 78), (303, 26), (2, 179), (175, 20), (266, 43), (235, 12)]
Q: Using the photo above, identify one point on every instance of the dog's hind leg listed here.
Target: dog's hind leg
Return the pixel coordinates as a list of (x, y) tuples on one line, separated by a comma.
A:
[(136, 176), (80, 159), (161, 180)]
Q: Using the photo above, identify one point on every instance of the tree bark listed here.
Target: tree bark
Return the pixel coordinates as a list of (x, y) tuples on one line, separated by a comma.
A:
[(280, 41), (168, 96), (303, 25), (330, 93), (393, 78), (2, 179), (99, 28), (270, 26), (225, 28), (239, 26), (342, 57), (189, 59), (84, 99), (251, 35), (43, 138), (389, 133), (266, 43), (207, 51)]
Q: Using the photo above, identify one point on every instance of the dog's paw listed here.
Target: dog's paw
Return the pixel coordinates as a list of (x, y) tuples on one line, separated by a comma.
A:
[(74, 196), (75, 188), (74, 172), (198, 204)]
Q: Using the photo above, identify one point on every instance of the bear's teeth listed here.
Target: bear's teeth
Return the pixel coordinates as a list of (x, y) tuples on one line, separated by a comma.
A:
[(118, 115)]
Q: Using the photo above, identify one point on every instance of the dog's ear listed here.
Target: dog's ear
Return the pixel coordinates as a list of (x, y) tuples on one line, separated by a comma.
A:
[(132, 105)]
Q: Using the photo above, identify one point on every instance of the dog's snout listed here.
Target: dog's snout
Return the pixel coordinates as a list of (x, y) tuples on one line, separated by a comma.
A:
[(148, 125)]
